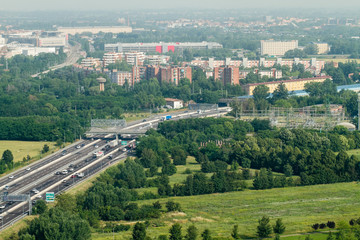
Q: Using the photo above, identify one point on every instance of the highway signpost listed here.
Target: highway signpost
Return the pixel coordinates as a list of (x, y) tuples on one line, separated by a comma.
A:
[(50, 197), (123, 143)]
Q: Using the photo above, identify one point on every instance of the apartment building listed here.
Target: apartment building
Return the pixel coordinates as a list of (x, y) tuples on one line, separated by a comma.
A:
[(227, 75), (111, 58), (91, 62), (291, 85), (120, 77), (134, 58), (272, 73), (160, 47), (277, 48), (323, 48), (173, 75), (95, 29)]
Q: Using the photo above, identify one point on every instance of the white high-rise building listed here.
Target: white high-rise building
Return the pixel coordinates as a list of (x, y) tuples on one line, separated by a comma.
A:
[(277, 48)]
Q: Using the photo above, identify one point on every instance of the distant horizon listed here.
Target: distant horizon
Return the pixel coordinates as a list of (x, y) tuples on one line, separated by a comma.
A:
[(113, 5)]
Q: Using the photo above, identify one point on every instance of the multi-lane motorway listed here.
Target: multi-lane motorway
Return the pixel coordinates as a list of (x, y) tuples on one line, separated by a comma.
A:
[(45, 175)]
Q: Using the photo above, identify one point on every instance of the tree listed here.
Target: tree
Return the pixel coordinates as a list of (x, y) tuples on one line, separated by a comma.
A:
[(288, 171), (8, 157), (280, 92), (175, 232), (330, 236), (235, 232), (172, 206), (264, 228), (169, 169), (260, 92), (57, 224), (139, 231), (40, 207), (279, 227), (206, 235), (311, 49), (66, 202), (192, 233), (45, 148)]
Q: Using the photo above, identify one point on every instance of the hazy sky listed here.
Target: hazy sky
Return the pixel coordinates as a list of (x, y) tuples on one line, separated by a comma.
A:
[(31, 5)]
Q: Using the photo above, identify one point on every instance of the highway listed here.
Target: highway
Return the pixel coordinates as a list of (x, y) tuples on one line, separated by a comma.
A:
[(72, 56), (44, 175)]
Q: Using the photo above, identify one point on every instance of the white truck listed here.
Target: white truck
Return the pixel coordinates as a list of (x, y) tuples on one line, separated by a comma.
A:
[(113, 143), (98, 154), (80, 175)]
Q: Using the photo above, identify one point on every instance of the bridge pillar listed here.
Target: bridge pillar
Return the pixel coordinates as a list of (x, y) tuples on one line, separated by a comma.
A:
[(117, 137)]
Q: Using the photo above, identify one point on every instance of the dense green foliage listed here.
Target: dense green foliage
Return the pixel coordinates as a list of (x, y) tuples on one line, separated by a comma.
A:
[(57, 224)]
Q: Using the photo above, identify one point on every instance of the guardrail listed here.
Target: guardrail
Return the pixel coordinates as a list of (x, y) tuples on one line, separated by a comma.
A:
[(111, 163), (10, 223)]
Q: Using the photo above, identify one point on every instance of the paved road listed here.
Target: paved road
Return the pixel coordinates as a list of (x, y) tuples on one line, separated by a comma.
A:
[(41, 175), (72, 56)]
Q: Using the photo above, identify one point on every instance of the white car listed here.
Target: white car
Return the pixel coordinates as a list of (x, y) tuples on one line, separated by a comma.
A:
[(11, 177), (6, 187), (28, 169), (35, 191), (38, 196), (2, 206)]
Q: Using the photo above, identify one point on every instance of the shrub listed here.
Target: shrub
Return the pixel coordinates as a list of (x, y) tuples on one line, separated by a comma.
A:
[(315, 226), (173, 206), (352, 222), (330, 224), (322, 225), (121, 228)]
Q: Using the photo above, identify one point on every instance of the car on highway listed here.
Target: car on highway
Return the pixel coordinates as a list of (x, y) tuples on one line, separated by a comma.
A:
[(2, 206), (63, 153), (11, 176), (57, 173), (28, 169), (96, 146), (64, 181), (64, 172), (67, 184), (6, 187), (38, 196), (144, 120), (78, 146), (110, 156), (71, 170), (35, 191), (82, 145)]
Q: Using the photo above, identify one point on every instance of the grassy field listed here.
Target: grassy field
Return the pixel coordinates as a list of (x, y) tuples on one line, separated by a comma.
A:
[(21, 149), (299, 207)]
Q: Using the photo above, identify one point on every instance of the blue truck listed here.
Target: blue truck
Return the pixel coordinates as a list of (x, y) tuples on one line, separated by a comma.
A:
[(164, 118)]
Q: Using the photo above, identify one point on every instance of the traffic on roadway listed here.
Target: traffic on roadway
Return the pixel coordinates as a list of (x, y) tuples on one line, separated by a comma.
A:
[(60, 171), (75, 163)]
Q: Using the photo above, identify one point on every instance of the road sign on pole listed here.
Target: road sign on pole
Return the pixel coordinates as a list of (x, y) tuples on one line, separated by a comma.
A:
[(50, 197), (123, 143)]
